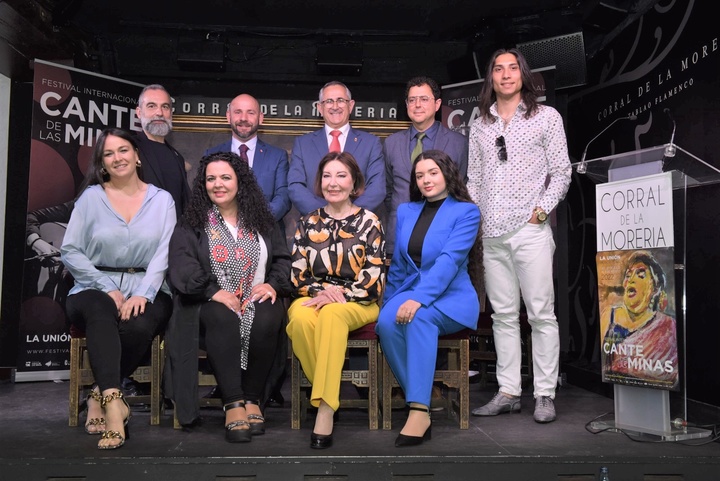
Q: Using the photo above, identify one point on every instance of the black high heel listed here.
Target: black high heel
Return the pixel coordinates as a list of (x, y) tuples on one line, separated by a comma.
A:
[(110, 434), (403, 440), (233, 435), (95, 395), (257, 428), (320, 441)]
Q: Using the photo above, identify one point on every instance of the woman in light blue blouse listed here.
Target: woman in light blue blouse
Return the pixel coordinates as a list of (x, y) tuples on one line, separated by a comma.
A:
[(116, 248)]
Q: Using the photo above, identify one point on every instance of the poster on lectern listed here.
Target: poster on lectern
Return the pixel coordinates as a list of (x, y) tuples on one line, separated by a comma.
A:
[(70, 108), (636, 282)]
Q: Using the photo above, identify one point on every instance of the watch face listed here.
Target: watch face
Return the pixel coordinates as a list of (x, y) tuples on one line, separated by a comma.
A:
[(541, 216)]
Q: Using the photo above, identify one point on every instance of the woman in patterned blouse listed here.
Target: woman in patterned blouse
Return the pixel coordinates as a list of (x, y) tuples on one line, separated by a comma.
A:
[(338, 262), (229, 268)]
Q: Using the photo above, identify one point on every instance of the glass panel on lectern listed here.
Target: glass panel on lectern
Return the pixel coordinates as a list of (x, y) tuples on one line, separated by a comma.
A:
[(688, 169)]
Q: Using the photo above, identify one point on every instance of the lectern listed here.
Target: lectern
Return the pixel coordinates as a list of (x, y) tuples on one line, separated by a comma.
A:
[(641, 410)]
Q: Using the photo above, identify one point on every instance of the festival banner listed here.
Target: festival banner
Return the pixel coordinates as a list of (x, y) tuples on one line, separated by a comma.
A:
[(70, 108), (460, 101), (636, 282)]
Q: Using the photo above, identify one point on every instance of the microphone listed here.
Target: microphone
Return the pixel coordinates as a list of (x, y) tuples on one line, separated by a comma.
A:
[(670, 148), (582, 166)]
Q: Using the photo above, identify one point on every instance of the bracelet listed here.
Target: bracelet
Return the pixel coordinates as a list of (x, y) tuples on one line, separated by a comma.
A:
[(33, 242)]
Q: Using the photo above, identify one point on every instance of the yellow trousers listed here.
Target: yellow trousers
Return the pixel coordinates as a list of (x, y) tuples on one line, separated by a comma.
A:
[(319, 341)]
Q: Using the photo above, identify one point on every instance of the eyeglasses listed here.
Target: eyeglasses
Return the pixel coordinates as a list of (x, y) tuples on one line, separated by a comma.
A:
[(424, 100), (341, 102), (502, 152)]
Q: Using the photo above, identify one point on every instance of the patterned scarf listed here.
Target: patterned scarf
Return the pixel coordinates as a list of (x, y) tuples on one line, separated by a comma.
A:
[(234, 263)]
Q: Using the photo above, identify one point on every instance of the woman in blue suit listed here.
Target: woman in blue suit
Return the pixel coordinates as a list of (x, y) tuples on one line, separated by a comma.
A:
[(433, 283)]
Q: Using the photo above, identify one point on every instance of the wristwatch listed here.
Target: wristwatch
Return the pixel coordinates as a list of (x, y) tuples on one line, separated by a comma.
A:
[(540, 215)]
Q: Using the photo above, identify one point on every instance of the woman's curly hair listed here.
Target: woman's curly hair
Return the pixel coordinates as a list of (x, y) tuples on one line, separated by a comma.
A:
[(253, 209), (458, 190)]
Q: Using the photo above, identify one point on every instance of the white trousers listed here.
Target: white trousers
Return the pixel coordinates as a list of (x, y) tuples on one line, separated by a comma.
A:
[(521, 263)]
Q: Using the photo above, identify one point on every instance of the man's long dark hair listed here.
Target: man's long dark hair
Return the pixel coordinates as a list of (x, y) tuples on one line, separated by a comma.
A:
[(456, 188), (527, 92), (253, 209)]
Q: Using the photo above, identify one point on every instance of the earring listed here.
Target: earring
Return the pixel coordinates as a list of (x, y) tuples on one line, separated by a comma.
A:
[(138, 163), (103, 171)]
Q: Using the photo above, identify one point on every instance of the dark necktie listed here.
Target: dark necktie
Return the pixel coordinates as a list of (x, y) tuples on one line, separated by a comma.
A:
[(243, 152), (335, 144), (418, 146)]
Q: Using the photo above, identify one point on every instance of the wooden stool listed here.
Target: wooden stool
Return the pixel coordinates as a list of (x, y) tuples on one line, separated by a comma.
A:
[(81, 378), (363, 338), (454, 377)]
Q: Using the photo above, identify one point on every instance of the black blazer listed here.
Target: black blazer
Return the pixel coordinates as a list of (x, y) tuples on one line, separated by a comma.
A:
[(192, 282)]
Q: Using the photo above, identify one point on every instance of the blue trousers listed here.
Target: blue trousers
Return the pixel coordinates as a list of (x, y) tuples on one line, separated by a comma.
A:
[(411, 349)]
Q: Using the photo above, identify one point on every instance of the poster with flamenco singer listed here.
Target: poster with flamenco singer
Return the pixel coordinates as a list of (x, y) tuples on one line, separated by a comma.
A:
[(638, 317)]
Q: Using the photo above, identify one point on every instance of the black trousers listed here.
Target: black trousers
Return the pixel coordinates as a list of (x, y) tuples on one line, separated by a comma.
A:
[(220, 335), (116, 347)]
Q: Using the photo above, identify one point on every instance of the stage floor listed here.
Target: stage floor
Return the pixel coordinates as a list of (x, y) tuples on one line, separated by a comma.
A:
[(37, 444)]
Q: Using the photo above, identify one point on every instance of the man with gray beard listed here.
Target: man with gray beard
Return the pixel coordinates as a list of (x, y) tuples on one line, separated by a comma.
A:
[(162, 165)]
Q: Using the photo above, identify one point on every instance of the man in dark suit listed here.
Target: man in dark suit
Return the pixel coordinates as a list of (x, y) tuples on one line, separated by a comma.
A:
[(162, 165), (423, 100), (335, 105), (268, 163)]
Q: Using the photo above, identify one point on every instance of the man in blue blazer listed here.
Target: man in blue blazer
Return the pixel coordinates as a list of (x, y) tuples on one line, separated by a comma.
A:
[(335, 105), (268, 163), (423, 100)]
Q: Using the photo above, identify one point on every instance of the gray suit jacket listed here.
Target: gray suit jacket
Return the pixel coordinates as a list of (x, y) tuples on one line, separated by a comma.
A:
[(397, 171)]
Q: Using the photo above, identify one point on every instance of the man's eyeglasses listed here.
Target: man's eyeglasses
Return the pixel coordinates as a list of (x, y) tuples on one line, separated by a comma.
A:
[(502, 151), (424, 100), (330, 102)]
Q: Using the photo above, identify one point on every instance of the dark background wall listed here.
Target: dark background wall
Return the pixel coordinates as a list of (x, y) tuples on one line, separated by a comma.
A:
[(661, 68)]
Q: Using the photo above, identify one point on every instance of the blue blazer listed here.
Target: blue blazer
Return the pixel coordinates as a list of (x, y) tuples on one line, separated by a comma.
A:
[(442, 279), (311, 147), (398, 165), (270, 166)]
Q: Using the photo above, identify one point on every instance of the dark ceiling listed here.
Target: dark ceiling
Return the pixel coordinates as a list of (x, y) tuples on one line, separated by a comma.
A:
[(281, 42)]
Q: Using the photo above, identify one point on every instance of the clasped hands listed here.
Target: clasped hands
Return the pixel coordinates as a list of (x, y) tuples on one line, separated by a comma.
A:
[(327, 296), (259, 293), (406, 311), (132, 306)]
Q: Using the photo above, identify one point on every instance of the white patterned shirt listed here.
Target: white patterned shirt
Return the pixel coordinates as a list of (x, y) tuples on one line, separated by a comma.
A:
[(536, 173)]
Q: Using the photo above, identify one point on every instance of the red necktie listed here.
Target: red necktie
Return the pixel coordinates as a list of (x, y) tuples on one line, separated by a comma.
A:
[(243, 152), (335, 144)]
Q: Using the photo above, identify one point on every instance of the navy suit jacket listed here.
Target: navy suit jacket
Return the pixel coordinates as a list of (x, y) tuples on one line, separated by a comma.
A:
[(398, 165), (270, 166), (442, 280), (310, 148)]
